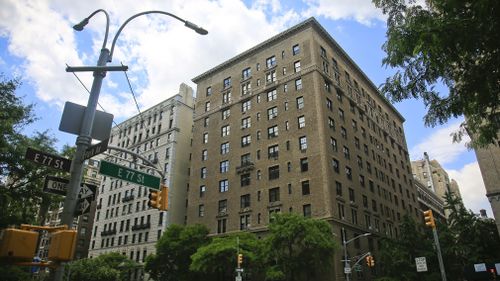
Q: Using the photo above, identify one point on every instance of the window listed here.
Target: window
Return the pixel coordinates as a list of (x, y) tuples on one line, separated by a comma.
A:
[(203, 173), (246, 73), (226, 97), (246, 88), (207, 106), (298, 84), (322, 52), (245, 201), (202, 190), (272, 152), (348, 172), (225, 114), (272, 132), (328, 104), (225, 131), (296, 49), (305, 188), (246, 123), (301, 121), (343, 132), (246, 105), (224, 148), (223, 185), (221, 225), (274, 172), (300, 102), (227, 83), (271, 76), (201, 210), (271, 95), (224, 166), (306, 209), (352, 196), (338, 188), (333, 143), (205, 137), (205, 122), (347, 155), (245, 159), (296, 66), (341, 211), (303, 143), (271, 62), (246, 140), (245, 179), (272, 113), (209, 93), (336, 165), (274, 194), (304, 165), (331, 123), (244, 222)]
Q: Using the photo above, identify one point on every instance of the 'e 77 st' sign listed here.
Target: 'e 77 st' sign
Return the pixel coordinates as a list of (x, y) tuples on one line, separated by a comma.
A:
[(48, 160), (126, 174)]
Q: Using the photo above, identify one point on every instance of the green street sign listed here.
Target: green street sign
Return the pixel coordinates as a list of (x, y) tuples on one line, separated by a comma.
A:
[(126, 174)]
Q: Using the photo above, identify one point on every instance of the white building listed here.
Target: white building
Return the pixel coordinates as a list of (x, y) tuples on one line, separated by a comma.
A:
[(123, 222)]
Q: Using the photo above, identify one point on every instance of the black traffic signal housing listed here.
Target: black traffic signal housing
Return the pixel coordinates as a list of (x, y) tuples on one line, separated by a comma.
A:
[(429, 219)]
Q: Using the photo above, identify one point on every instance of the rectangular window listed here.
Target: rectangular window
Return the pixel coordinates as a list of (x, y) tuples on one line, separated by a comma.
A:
[(225, 131), (333, 143), (224, 166), (245, 179), (352, 196), (225, 114), (245, 159), (208, 93), (348, 172), (274, 172), (246, 88), (224, 148), (223, 185), (246, 73), (306, 209), (296, 49), (246, 123), (305, 188), (303, 143), (226, 97), (246, 140), (203, 173), (271, 62), (205, 138), (245, 201), (347, 155), (222, 206), (274, 194), (336, 165), (227, 83), (272, 113), (328, 104), (221, 225), (304, 165), (338, 188), (272, 95), (244, 222), (246, 105), (300, 102), (207, 106), (273, 152), (271, 76), (204, 155), (201, 210), (272, 132), (301, 121), (298, 84), (331, 123), (296, 66)]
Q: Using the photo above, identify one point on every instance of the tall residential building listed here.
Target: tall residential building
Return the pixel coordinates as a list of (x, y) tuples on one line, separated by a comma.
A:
[(428, 200), (294, 125), (123, 222), (435, 178), (489, 163)]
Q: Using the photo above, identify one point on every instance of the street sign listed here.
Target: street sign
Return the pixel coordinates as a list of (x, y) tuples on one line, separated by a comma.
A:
[(83, 206), (55, 185), (238, 278), (71, 121), (49, 160), (126, 174), (95, 149), (347, 270), (480, 267), (421, 264), (87, 190)]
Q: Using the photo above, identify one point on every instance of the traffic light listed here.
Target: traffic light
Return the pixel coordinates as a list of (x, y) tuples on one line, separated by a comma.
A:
[(493, 275), (370, 262), (429, 219), (18, 245), (240, 260), (62, 245), (158, 199)]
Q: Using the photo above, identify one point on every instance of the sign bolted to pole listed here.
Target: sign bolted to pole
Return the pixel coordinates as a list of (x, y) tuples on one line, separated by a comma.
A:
[(126, 174), (55, 185), (49, 160), (421, 264), (96, 149), (83, 206)]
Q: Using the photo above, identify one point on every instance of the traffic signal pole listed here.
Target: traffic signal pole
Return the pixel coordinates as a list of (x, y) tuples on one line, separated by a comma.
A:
[(440, 257)]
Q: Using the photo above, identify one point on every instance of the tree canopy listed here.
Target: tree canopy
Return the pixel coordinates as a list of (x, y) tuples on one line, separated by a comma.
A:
[(106, 267), (453, 42)]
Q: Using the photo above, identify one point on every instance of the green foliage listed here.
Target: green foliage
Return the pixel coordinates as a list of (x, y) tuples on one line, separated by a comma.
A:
[(14, 273), (218, 260), (106, 267), (297, 248), (22, 181), (173, 253), (453, 42)]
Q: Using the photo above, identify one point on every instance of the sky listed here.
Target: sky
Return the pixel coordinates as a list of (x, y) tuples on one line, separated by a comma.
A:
[(37, 42)]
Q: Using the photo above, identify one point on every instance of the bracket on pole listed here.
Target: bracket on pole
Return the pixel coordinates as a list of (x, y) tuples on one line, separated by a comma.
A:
[(96, 68)]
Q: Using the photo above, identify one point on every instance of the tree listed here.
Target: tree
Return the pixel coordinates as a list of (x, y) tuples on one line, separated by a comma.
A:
[(106, 267), (173, 253), (298, 248), (21, 181), (217, 260), (453, 42)]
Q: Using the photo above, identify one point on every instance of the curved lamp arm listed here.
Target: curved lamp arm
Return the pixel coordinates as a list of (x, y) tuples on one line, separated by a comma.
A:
[(85, 21), (186, 23)]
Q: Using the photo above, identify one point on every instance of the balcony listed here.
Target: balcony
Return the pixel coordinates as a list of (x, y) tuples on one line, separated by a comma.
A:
[(108, 232), (245, 167), (141, 226), (128, 198)]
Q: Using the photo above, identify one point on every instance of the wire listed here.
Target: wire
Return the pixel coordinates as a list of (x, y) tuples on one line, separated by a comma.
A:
[(133, 95)]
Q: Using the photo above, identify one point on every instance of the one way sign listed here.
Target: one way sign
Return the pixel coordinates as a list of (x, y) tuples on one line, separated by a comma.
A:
[(83, 206), (87, 190)]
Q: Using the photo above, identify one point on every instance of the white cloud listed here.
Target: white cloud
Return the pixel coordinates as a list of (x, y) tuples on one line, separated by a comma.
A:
[(440, 146), (470, 182), (363, 11)]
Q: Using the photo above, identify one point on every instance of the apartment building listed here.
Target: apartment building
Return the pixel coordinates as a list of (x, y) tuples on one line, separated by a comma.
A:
[(123, 222), (294, 125), (428, 200)]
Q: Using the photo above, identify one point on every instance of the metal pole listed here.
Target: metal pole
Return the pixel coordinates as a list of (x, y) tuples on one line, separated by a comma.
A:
[(83, 141), (346, 261), (440, 258)]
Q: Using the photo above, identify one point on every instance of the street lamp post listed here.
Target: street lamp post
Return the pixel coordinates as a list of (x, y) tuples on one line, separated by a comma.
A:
[(84, 139), (344, 243)]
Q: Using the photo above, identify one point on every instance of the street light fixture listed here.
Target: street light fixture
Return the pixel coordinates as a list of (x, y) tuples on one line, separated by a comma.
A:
[(344, 243), (84, 139)]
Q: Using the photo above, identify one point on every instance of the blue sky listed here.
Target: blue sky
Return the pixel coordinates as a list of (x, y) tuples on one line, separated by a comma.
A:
[(37, 41)]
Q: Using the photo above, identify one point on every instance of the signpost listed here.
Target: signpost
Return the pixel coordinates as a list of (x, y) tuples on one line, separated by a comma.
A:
[(49, 160), (96, 149), (126, 174), (421, 264)]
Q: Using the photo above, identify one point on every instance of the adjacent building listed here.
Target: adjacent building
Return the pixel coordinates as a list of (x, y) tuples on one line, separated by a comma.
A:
[(294, 125), (123, 222), (428, 200)]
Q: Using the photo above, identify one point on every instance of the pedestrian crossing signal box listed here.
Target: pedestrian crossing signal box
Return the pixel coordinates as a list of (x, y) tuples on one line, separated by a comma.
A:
[(17, 244), (62, 245)]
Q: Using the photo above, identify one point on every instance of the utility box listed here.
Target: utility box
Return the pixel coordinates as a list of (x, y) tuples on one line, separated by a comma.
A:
[(62, 245), (17, 244)]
